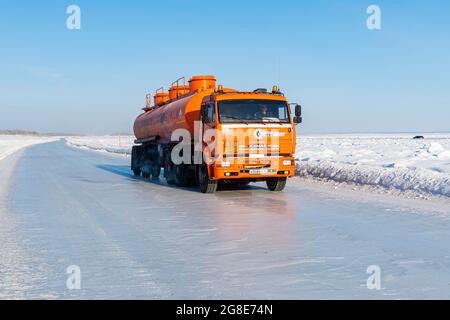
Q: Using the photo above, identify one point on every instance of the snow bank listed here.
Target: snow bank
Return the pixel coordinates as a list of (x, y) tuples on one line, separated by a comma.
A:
[(12, 143), (389, 161), (110, 143)]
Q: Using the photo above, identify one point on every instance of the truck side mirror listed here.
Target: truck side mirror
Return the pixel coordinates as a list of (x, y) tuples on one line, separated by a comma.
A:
[(298, 110), (204, 112), (297, 114)]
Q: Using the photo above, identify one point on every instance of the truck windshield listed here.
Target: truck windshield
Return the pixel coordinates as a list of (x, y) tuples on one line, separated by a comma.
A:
[(253, 111)]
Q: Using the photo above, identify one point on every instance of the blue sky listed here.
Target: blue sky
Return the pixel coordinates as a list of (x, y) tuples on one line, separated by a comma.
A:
[(348, 78)]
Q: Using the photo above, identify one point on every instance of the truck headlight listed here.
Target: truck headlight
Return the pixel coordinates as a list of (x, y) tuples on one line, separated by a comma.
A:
[(287, 162), (225, 164)]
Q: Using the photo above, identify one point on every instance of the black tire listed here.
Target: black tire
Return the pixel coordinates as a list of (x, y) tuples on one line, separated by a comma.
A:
[(136, 157), (169, 171), (182, 175), (155, 171), (145, 174), (244, 183), (276, 184), (206, 185)]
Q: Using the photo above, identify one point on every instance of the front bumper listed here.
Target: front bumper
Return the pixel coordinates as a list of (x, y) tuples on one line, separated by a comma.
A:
[(253, 170)]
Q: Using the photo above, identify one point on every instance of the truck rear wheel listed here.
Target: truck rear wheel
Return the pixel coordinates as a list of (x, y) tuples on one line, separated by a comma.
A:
[(169, 169), (276, 184), (182, 175), (206, 185), (155, 170), (136, 155)]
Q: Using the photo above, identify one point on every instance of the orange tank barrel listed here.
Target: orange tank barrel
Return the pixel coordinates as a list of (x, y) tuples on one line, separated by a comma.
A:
[(163, 120), (182, 110), (202, 82)]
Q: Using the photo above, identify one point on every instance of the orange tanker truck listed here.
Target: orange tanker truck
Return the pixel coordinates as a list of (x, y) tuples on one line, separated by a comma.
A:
[(204, 134)]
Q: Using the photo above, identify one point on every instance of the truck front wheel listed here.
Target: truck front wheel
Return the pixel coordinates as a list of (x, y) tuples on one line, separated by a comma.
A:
[(206, 185), (276, 184)]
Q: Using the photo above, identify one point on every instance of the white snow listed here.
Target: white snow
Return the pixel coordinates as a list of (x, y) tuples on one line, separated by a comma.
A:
[(12, 143), (391, 161), (108, 143), (388, 161)]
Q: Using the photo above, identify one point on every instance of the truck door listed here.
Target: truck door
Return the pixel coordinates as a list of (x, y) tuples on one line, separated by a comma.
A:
[(209, 132)]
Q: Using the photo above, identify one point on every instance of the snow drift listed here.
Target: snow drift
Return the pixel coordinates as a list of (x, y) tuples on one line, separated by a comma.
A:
[(108, 143), (389, 161)]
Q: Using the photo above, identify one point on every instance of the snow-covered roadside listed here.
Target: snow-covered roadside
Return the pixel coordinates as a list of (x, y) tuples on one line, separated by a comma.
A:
[(10, 144), (111, 144), (394, 162)]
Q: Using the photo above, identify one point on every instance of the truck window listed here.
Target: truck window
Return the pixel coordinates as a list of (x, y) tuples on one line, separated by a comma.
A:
[(253, 111), (211, 112), (282, 112)]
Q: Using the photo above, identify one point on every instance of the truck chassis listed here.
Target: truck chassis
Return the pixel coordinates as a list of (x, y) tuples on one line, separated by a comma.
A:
[(148, 158)]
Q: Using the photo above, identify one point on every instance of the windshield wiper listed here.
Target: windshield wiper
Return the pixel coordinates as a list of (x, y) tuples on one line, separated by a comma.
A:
[(235, 118), (271, 119)]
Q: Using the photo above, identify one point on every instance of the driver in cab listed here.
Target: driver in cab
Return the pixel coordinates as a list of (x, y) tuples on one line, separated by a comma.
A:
[(262, 113)]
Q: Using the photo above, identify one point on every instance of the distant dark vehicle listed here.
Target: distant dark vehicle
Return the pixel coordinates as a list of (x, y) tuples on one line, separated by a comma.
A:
[(419, 137)]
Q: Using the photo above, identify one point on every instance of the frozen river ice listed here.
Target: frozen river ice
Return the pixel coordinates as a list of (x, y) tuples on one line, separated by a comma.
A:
[(134, 238)]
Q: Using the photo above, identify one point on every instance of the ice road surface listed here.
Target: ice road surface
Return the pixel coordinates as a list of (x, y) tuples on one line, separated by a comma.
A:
[(393, 162), (137, 238)]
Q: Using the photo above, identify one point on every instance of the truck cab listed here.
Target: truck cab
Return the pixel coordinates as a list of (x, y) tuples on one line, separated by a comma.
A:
[(254, 137)]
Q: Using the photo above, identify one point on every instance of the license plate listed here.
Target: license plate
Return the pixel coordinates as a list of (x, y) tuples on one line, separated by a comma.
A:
[(259, 171)]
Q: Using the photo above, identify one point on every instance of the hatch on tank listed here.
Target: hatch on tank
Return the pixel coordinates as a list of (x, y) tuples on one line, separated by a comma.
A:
[(202, 83), (160, 97), (178, 88)]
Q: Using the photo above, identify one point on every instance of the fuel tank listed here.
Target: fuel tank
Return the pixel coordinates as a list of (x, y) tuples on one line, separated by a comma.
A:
[(180, 112)]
